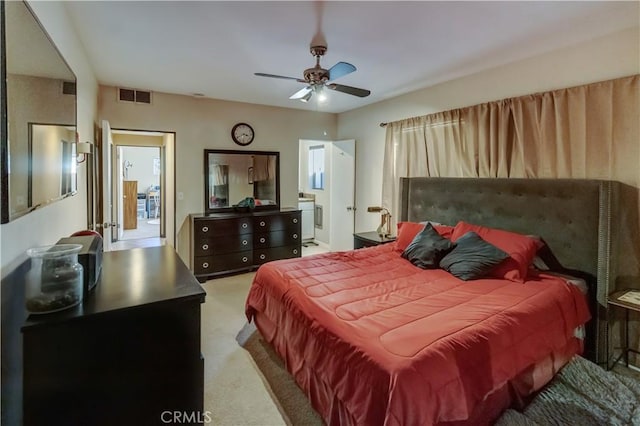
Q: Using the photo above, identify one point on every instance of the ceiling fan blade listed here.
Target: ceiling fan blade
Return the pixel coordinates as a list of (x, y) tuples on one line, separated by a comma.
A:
[(349, 90), (340, 69), (304, 93), (261, 74)]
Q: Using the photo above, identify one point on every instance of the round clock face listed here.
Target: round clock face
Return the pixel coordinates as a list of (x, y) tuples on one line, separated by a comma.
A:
[(242, 134)]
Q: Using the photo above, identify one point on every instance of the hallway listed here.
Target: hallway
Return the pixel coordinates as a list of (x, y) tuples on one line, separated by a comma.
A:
[(147, 234)]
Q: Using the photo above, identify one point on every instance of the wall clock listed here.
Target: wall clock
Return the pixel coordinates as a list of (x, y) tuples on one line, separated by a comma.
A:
[(242, 134)]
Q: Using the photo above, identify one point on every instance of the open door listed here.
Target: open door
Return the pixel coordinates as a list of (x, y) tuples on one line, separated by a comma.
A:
[(342, 215), (107, 184)]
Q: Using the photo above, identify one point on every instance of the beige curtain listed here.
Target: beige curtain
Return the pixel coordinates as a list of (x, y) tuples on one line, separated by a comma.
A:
[(219, 174), (420, 146), (261, 168), (589, 131)]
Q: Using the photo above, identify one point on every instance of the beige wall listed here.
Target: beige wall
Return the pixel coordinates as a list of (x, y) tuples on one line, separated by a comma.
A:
[(50, 223), (604, 58), (201, 123), (141, 170)]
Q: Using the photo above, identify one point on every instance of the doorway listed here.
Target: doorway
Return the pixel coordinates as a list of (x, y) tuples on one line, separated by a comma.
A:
[(139, 191), (326, 184), (137, 197)]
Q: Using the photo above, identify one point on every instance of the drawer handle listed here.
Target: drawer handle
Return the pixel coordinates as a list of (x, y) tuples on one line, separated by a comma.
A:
[(262, 223), (263, 257), (245, 242), (244, 225), (295, 236), (295, 251), (263, 239), (205, 228), (245, 259), (295, 220), (205, 247), (205, 265)]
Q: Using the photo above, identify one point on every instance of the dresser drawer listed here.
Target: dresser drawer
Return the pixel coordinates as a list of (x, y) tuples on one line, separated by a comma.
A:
[(278, 222), (223, 262), (276, 239), (202, 247), (261, 256), (214, 228), (223, 244), (232, 243)]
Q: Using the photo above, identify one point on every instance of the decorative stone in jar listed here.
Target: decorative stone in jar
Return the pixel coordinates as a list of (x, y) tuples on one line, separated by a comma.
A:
[(54, 281)]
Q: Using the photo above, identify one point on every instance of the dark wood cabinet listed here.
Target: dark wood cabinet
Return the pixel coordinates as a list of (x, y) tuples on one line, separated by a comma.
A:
[(224, 243), (128, 353)]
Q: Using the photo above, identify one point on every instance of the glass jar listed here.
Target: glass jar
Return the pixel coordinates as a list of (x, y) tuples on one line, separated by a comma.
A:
[(54, 281)]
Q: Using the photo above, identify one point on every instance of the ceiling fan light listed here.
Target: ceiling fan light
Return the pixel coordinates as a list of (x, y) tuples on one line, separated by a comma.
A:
[(321, 93), (306, 97)]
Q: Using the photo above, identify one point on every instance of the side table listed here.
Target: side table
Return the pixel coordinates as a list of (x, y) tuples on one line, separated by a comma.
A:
[(614, 300), (370, 239)]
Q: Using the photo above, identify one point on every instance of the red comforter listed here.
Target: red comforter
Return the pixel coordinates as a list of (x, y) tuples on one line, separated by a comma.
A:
[(373, 339)]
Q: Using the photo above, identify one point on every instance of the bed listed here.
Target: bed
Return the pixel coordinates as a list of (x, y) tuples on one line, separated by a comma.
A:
[(373, 339)]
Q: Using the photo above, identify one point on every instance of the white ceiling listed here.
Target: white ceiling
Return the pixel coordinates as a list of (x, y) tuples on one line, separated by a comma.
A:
[(214, 47)]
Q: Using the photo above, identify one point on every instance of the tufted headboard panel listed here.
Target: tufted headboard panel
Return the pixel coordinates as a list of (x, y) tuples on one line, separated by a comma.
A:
[(575, 217)]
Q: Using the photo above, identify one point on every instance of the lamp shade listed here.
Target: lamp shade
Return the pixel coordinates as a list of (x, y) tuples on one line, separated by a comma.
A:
[(83, 148)]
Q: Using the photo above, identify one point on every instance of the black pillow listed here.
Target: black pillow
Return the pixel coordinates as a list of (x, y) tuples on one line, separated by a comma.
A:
[(427, 248), (472, 258)]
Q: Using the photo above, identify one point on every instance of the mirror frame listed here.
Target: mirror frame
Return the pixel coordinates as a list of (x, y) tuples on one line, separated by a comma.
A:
[(4, 146), (231, 208), (5, 208)]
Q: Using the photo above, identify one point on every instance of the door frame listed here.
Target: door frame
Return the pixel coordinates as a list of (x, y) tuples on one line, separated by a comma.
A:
[(330, 214), (167, 179)]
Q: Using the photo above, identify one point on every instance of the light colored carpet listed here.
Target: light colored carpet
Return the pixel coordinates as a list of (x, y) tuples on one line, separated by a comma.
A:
[(234, 391), (292, 401)]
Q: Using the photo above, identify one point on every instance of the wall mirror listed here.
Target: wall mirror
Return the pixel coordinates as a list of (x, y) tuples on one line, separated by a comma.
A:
[(38, 116), (231, 176)]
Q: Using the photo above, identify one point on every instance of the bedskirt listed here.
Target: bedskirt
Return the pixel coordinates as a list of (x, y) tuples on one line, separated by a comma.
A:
[(516, 392)]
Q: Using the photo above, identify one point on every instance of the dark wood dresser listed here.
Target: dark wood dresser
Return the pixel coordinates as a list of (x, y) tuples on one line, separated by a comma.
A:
[(223, 243), (126, 355)]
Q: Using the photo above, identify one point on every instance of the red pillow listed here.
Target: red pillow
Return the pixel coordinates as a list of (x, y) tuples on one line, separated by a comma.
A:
[(521, 249), (408, 230)]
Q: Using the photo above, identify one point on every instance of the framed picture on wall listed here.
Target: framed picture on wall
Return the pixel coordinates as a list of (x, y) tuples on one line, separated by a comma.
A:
[(250, 174)]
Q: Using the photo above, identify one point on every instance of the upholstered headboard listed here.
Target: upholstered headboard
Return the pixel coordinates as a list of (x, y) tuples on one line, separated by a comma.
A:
[(575, 217)]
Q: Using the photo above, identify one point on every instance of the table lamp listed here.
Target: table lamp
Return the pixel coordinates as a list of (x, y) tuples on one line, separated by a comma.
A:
[(384, 230)]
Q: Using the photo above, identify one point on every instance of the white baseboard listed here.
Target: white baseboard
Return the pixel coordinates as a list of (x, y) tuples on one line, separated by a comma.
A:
[(321, 244)]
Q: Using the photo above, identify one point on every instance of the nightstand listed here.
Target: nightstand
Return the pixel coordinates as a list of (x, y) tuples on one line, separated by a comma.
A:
[(370, 239), (614, 300)]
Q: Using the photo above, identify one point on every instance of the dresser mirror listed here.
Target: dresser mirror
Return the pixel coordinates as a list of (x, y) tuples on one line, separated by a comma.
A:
[(38, 134), (232, 176)]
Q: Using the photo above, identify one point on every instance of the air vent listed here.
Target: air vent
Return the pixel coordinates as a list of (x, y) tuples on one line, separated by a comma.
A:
[(133, 95), (68, 87), (143, 97)]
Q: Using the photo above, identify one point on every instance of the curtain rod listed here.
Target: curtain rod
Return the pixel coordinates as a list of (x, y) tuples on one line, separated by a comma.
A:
[(383, 124)]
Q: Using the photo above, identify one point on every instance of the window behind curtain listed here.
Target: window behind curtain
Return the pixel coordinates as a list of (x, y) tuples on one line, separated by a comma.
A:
[(316, 167)]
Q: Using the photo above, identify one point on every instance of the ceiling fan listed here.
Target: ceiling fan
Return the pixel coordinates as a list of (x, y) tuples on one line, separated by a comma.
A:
[(317, 78)]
